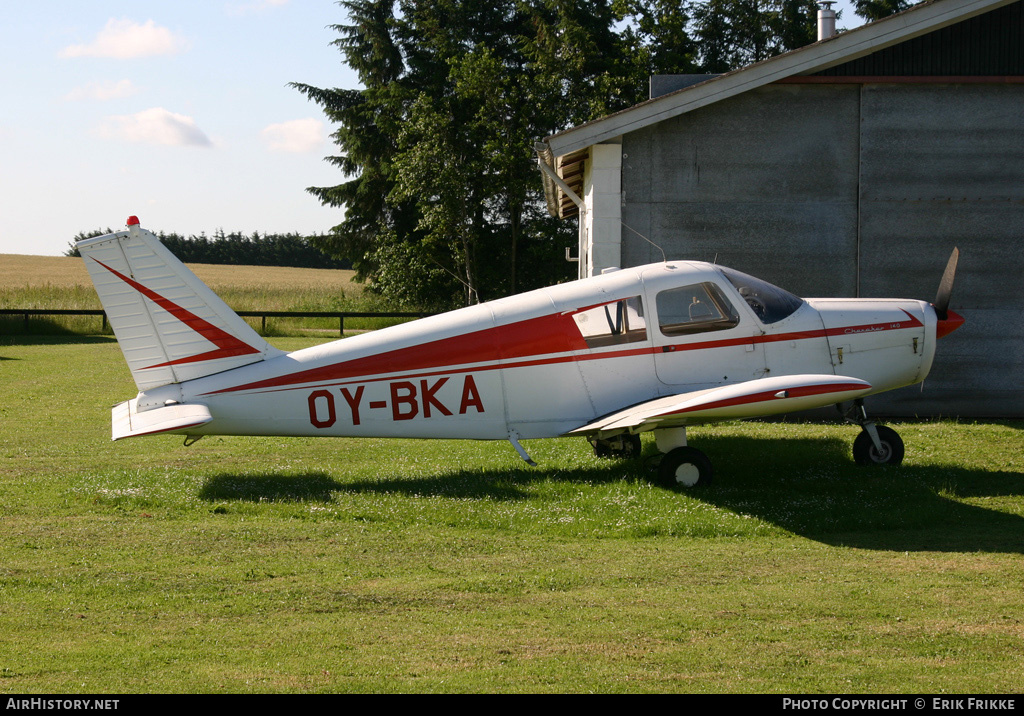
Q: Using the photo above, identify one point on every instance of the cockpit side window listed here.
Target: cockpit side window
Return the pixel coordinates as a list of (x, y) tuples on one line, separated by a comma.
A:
[(694, 309), (770, 303), (612, 323)]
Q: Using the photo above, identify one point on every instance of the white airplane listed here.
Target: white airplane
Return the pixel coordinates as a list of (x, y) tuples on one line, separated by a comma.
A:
[(651, 348)]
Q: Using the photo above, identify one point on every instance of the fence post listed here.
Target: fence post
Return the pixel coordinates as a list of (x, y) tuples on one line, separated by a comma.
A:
[(341, 326)]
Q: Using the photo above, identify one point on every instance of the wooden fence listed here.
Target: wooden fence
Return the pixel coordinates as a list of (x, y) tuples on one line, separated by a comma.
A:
[(26, 313)]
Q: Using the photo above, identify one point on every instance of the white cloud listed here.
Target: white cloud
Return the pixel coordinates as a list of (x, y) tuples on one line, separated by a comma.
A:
[(254, 6), (126, 39), (155, 126), (102, 91), (297, 135)]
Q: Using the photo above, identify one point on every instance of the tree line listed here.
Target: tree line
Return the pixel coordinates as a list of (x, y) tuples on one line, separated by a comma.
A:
[(442, 199), (236, 248)]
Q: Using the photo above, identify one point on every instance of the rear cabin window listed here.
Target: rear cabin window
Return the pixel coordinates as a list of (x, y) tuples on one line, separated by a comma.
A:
[(612, 323), (695, 309)]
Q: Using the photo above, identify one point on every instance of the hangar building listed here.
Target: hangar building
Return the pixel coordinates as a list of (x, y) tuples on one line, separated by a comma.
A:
[(850, 167)]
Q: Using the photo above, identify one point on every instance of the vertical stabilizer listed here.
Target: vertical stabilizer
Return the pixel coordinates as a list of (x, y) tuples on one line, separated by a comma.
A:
[(170, 326)]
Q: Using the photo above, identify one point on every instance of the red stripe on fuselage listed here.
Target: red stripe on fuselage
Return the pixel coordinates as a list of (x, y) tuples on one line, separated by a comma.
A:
[(555, 336), (227, 344), (556, 333)]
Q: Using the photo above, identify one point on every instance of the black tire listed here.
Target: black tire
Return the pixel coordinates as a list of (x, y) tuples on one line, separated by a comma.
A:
[(685, 467), (865, 452)]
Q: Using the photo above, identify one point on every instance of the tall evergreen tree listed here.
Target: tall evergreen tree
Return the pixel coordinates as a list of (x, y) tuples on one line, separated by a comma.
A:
[(659, 34), (733, 33), (442, 197), (877, 9), (367, 121)]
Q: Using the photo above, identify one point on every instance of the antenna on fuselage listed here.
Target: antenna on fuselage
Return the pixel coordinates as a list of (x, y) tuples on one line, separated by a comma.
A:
[(645, 239)]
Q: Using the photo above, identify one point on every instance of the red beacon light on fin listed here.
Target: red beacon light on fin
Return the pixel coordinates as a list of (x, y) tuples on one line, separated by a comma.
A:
[(133, 221)]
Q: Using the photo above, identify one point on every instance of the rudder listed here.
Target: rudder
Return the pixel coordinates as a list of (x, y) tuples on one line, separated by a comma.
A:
[(169, 325)]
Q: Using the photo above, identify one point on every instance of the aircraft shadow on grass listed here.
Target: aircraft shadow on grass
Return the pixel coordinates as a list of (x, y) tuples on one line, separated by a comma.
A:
[(810, 488), (310, 487)]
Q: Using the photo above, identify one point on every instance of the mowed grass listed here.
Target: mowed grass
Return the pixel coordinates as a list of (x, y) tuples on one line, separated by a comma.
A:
[(335, 565), (61, 282)]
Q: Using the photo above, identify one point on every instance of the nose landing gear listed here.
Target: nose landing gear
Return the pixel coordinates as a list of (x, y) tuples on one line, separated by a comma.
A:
[(876, 444)]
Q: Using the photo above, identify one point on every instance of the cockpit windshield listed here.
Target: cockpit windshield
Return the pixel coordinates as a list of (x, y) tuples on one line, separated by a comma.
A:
[(770, 303)]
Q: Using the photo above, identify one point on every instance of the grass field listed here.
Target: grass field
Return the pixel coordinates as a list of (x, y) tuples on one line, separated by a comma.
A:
[(259, 565), (335, 565)]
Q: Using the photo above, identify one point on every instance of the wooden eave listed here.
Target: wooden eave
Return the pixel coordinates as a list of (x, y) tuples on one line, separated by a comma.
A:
[(571, 168)]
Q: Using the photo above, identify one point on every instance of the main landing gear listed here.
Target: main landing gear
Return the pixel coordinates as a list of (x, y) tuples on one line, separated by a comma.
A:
[(683, 466), (876, 444), (679, 466)]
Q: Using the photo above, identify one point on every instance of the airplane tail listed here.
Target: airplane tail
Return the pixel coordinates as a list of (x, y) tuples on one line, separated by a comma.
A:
[(169, 325)]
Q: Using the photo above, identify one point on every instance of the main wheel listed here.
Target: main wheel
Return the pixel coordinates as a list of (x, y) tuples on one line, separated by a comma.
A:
[(685, 467), (865, 452)]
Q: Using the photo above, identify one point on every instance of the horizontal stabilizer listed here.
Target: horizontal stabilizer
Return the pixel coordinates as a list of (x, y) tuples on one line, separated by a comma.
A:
[(751, 399), (177, 417)]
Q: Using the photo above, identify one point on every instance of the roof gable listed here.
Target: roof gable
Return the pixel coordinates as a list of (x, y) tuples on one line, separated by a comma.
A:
[(839, 51)]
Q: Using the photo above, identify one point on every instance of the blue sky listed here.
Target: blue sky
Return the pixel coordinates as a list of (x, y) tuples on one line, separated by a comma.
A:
[(177, 112)]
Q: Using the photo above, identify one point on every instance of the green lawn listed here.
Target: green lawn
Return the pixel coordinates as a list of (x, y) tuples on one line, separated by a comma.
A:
[(335, 565)]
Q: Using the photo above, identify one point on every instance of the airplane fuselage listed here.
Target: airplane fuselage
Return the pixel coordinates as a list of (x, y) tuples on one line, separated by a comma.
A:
[(543, 363)]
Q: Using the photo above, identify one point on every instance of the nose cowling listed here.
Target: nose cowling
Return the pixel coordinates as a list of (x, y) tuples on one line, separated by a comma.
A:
[(947, 325)]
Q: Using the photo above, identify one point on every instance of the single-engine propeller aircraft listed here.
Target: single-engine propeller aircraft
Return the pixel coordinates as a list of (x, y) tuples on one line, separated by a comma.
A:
[(655, 348)]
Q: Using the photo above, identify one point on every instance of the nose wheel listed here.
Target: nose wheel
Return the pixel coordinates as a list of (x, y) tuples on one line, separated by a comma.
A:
[(876, 444), (888, 451)]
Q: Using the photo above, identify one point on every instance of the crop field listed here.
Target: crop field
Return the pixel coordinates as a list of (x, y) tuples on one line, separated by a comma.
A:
[(289, 565), (60, 282)]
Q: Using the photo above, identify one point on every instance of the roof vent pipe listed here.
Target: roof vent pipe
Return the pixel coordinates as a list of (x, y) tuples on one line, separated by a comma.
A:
[(826, 19)]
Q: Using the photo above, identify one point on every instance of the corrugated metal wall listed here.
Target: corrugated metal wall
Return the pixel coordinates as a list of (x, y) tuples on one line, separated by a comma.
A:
[(862, 188), (844, 190)]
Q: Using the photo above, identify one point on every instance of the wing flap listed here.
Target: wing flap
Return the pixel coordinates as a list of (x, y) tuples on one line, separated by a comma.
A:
[(751, 399)]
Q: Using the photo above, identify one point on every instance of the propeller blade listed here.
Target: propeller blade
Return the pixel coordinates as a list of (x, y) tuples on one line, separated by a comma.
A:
[(946, 287)]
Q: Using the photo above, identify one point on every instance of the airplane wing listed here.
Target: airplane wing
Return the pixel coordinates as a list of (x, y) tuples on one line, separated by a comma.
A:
[(750, 399)]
